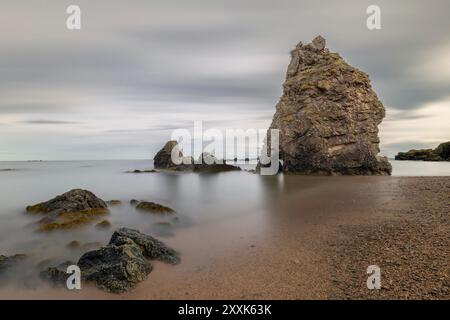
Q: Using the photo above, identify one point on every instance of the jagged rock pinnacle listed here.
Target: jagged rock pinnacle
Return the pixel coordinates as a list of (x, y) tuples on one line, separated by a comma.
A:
[(319, 42), (328, 116)]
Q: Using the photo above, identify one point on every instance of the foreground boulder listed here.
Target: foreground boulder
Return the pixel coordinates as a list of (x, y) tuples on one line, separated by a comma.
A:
[(441, 153), (207, 163), (328, 116), (69, 210), (152, 248), (119, 266)]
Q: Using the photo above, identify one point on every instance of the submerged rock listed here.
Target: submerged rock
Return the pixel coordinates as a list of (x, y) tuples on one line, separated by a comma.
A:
[(57, 275), (119, 266), (73, 244), (207, 163), (441, 153), (113, 202), (328, 116), (69, 210), (8, 262), (153, 207), (105, 224), (142, 171)]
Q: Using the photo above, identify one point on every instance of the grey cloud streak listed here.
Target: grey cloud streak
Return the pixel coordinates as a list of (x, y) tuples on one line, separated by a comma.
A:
[(198, 57)]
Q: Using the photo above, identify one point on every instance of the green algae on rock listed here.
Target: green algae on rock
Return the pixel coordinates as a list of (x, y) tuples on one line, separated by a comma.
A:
[(69, 210), (153, 207), (104, 224)]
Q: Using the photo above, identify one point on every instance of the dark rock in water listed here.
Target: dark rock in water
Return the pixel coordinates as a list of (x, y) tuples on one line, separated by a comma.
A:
[(7, 263), (113, 202), (441, 153), (73, 244), (154, 207), (152, 248), (328, 116), (134, 202), (117, 268), (142, 171), (214, 168), (69, 210), (163, 159), (207, 163), (105, 224), (57, 275)]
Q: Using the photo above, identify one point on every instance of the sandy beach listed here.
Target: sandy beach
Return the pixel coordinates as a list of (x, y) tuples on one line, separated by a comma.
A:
[(312, 243)]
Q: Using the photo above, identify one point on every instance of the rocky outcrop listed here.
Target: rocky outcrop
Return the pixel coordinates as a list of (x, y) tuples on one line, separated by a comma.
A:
[(207, 163), (119, 266), (328, 116), (441, 153), (163, 159), (69, 210)]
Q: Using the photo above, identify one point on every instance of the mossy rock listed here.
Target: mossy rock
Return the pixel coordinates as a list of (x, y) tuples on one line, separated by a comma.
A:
[(69, 210), (73, 244), (114, 202), (105, 224), (70, 220), (154, 207)]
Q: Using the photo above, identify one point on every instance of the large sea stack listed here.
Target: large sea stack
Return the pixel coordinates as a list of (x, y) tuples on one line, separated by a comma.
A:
[(328, 116)]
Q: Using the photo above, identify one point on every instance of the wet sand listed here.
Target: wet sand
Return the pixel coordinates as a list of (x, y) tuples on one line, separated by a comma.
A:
[(309, 243)]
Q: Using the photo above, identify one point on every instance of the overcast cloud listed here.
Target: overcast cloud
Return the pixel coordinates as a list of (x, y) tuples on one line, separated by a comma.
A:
[(139, 69)]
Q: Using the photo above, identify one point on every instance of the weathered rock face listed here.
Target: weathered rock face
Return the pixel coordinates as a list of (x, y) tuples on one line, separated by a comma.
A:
[(441, 153), (119, 266), (152, 248), (328, 116), (69, 210), (163, 159)]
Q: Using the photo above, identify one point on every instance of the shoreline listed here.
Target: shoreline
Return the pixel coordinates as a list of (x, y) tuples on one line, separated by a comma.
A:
[(310, 243)]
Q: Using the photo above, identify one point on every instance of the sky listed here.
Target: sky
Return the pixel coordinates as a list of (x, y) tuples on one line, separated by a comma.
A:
[(137, 70)]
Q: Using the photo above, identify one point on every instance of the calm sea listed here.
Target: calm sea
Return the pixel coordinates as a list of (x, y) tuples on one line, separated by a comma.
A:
[(199, 199)]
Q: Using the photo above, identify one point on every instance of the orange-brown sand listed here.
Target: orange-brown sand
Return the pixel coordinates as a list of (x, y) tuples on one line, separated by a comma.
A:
[(309, 243)]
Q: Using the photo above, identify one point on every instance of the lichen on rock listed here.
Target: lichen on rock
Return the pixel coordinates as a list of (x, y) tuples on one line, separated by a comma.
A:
[(69, 210), (153, 207)]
